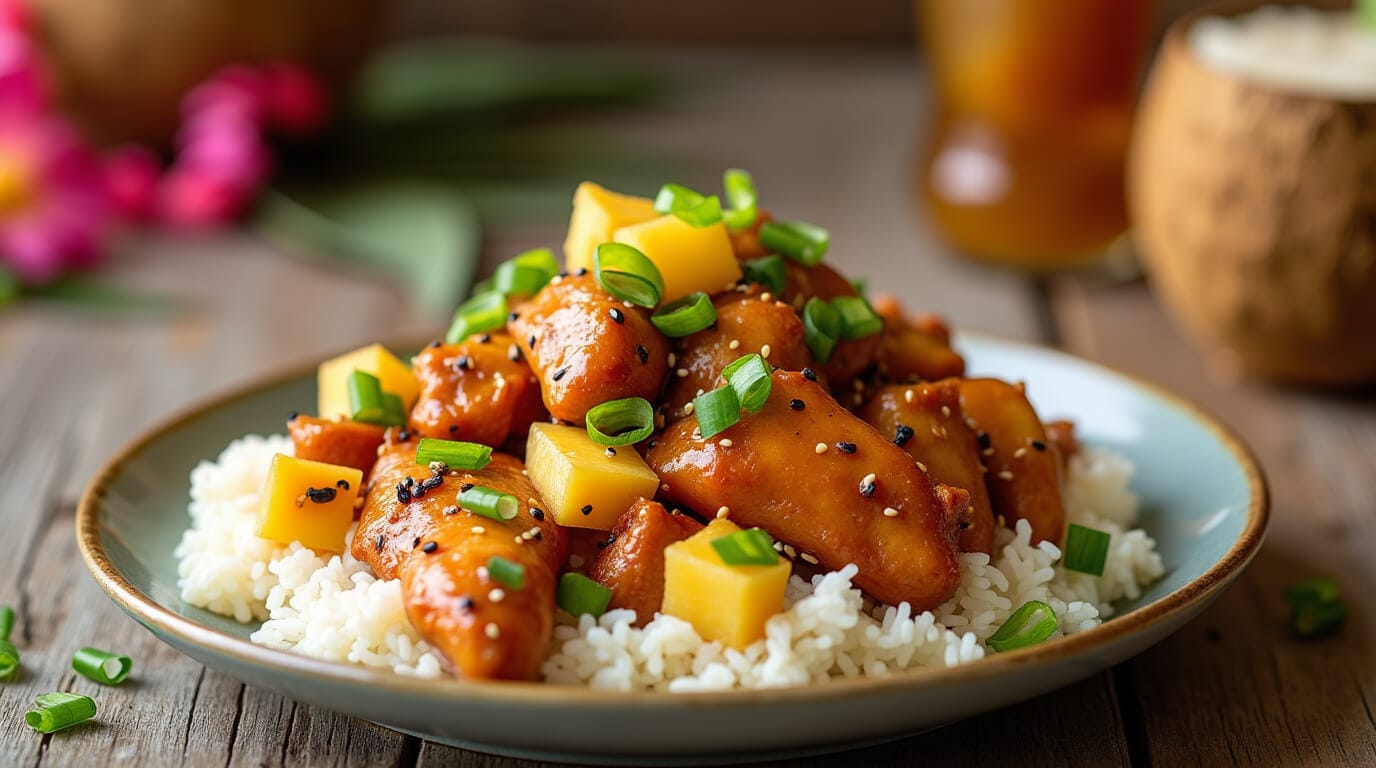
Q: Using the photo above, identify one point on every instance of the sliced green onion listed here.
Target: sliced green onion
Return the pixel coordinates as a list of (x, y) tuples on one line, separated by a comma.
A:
[(798, 240), (393, 412), (692, 207), (858, 318), (508, 574), (1021, 630), (526, 273), (579, 594), (716, 411), (1318, 589), (749, 547), (1086, 550), (768, 271), (1316, 607), (821, 328), (741, 196), (6, 621), (369, 404), (621, 422), (861, 285), (749, 376), (9, 659), (489, 502), (453, 454), (102, 666), (55, 711), (626, 273), (685, 316), (480, 314), (485, 286)]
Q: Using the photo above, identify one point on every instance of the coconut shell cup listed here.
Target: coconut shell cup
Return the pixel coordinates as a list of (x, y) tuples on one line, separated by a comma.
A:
[(1255, 208)]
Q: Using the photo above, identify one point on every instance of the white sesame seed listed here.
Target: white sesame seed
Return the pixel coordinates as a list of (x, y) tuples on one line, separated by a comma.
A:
[(1005, 475), (857, 385), (681, 373), (987, 452), (664, 487), (765, 350), (688, 409), (478, 529), (890, 512), (497, 595), (627, 305), (766, 296), (907, 395), (723, 512), (492, 631), (482, 572), (518, 540), (1021, 452), (725, 442), (808, 558), (557, 279), (778, 546), (921, 466), (821, 448), (946, 411), (971, 423), (697, 433), (673, 358), (735, 344), (868, 479), (790, 551)]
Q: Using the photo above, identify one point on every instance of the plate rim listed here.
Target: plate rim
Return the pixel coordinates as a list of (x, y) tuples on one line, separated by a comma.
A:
[(160, 619)]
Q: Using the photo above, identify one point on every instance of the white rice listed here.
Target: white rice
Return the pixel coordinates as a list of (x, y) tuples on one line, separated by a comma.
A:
[(335, 609)]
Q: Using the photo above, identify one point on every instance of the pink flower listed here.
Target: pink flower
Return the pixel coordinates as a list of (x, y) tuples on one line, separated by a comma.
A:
[(295, 101), (131, 179)]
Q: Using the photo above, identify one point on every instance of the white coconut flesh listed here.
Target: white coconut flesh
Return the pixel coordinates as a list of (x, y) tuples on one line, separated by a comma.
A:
[(1328, 53)]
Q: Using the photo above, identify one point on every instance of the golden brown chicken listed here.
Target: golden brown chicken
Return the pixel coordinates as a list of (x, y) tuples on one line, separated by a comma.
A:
[(631, 564), (851, 357), (479, 390), (917, 348), (345, 443)]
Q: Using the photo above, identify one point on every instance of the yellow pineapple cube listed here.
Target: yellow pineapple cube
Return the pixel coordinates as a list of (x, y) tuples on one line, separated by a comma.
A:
[(308, 501), (582, 486), (332, 379), (726, 603), (689, 258), (597, 212)]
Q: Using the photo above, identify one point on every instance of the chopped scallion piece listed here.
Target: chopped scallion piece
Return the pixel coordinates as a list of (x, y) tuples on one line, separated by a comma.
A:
[(453, 454), (102, 666), (579, 594), (798, 240), (858, 318), (749, 547), (861, 285), (55, 711), (768, 271), (370, 405), (480, 314), (749, 376), (692, 207), (1031, 623), (9, 659), (6, 621), (716, 411), (526, 273), (821, 328), (626, 273), (688, 315), (741, 196), (393, 412), (1086, 550), (489, 502), (1316, 607), (621, 422), (508, 574)]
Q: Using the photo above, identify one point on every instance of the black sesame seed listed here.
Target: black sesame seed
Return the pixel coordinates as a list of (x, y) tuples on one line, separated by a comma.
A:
[(581, 271), (410, 482), (845, 447), (463, 363), (606, 542), (902, 435), (984, 441), (530, 341), (587, 509), (465, 488), (404, 436), (809, 374), (514, 353), (1038, 445), (653, 443), (435, 344), (416, 542), (466, 603), (611, 452), (617, 315), (536, 535), (642, 353), (453, 428), (342, 484), (418, 493), (292, 416), (963, 524), (486, 338), (430, 547), (403, 494), (537, 513), (559, 374), (797, 404), (378, 544), (432, 482), (513, 317), (867, 489)]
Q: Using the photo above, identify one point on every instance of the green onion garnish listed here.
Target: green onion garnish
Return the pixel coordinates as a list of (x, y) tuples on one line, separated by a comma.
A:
[(748, 547), (102, 666), (579, 594), (621, 422), (861, 285), (370, 405), (741, 196), (504, 572), (858, 318), (1021, 630), (1086, 550), (489, 502), (716, 411), (626, 273), (480, 314), (749, 376), (821, 328), (692, 207), (393, 412), (6, 621), (685, 316), (453, 454), (55, 711), (9, 659), (526, 273), (1316, 607), (798, 240), (768, 271)]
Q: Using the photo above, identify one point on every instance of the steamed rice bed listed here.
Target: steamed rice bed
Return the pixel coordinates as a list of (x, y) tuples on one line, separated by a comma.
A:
[(333, 608)]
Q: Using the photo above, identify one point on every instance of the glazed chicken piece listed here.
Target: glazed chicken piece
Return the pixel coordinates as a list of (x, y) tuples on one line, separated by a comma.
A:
[(479, 390), (821, 480), (632, 564), (917, 348), (926, 421), (440, 551), (1061, 433), (345, 443), (746, 242), (851, 357), (1024, 478), (749, 323), (587, 347)]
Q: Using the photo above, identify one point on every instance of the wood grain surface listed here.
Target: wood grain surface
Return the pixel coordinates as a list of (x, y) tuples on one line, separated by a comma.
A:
[(830, 138)]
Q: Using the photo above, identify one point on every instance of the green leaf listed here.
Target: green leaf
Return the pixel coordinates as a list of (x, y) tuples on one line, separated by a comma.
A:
[(421, 234)]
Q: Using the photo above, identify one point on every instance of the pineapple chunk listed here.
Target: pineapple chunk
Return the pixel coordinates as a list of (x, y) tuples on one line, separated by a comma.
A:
[(597, 212), (332, 379), (726, 603), (308, 501), (582, 486), (689, 258)]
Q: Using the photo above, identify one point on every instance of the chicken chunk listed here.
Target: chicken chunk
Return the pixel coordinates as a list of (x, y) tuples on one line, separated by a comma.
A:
[(345, 443), (479, 390), (632, 564), (917, 348), (851, 357)]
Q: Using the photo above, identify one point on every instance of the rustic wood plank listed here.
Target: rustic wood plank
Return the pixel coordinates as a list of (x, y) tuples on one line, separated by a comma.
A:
[(1233, 687)]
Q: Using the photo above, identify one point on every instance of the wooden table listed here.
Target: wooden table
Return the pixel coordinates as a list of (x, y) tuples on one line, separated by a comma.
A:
[(830, 138)]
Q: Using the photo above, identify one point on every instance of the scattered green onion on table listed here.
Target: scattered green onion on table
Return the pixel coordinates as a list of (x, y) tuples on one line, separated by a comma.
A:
[(1316, 607), (55, 711), (102, 666)]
